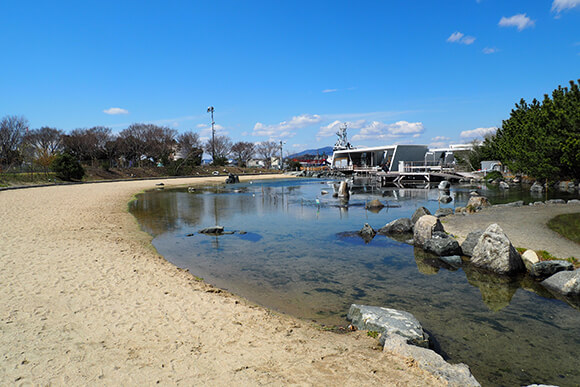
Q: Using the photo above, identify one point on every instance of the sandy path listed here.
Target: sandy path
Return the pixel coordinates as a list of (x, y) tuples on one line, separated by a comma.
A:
[(525, 226), (86, 300)]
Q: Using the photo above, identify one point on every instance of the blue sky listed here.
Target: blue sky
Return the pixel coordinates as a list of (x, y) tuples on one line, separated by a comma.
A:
[(421, 72)]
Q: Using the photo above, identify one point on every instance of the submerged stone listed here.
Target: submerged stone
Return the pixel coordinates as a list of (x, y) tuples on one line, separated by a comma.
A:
[(212, 230)]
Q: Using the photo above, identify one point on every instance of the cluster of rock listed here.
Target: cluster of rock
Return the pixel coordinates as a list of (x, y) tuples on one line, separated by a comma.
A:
[(330, 174), (232, 179), (401, 332)]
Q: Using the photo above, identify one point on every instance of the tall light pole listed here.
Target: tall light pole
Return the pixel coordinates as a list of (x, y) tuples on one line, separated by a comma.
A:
[(210, 110), (281, 160)]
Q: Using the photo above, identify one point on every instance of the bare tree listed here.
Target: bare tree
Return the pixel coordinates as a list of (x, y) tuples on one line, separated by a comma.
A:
[(12, 131), (88, 144), (149, 141), (243, 152), (221, 147), (189, 149), (267, 150), (43, 145)]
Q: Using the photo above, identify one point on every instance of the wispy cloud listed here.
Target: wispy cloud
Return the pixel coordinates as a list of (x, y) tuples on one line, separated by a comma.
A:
[(563, 5), (329, 90), (286, 129), (459, 37), (521, 21), (377, 130), (489, 50), (477, 133), (115, 111), (439, 142)]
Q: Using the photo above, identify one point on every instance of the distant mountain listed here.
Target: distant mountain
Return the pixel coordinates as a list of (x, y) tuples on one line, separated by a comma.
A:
[(326, 150)]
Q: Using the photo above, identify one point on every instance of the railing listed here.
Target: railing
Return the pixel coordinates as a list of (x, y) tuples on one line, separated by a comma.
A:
[(424, 167)]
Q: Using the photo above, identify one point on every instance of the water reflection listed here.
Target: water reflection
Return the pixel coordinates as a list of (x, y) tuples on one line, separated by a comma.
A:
[(302, 255)]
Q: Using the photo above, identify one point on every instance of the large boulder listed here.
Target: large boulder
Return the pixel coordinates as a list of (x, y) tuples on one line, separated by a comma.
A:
[(367, 233), (470, 242), (424, 229), (442, 245), (566, 283), (388, 322), (477, 203), (457, 375), (419, 212), (397, 226), (494, 252), (545, 269)]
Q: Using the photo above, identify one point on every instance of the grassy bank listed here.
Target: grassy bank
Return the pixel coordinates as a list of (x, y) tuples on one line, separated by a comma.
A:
[(567, 225)]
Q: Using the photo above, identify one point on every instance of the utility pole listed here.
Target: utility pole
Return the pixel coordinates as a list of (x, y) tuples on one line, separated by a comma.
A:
[(210, 110), (281, 160)]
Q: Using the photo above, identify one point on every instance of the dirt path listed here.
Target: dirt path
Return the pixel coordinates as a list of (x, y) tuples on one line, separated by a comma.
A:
[(525, 226), (86, 300)]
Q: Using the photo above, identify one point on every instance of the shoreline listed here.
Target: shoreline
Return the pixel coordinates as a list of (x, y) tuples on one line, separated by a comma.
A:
[(88, 299)]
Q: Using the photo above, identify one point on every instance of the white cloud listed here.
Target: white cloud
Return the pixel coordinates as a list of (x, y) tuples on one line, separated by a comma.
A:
[(114, 111), (562, 5), (477, 133), (489, 50), (332, 128), (521, 21), (205, 130), (458, 37), (286, 128), (329, 90), (377, 130)]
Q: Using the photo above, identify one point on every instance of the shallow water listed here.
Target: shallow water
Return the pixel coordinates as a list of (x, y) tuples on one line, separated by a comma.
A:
[(299, 256)]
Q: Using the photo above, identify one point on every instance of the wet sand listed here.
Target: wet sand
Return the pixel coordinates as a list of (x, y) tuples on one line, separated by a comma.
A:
[(525, 226), (87, 300)]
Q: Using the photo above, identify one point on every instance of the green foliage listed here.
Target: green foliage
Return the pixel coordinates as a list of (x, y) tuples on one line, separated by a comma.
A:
[(542, 140), (373, 334), (67, 168), (493, 175), (294, 165), (472, 159)]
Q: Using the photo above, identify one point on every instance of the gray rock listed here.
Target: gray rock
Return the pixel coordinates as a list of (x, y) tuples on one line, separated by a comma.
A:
[(537, 187), (452, 260), (388, 322), (539, 204), (444, 184), (477, 203), (441, 212), (343, 190), (442, 246), (556, 201), (397, 226), (367, 233), (232, 179), (494, 252), (419, 212), (519, 203), (566, 186), (470, 242), (428, 360), (504, 185), (566, 283), (445, 199), (212, 230), (573, 201), (424, 229), (545, 269)]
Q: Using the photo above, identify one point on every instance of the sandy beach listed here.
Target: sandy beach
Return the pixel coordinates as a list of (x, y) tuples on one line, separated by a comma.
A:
[(86, 300)]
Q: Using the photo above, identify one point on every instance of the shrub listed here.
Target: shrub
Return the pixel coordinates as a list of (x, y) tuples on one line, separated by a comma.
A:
[(67, 168)]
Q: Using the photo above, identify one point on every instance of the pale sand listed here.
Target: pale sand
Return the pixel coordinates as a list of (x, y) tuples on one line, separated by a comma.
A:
[(86, 300), (524, 226)]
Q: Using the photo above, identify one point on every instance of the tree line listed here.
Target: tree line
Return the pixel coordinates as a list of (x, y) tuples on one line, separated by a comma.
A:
[(539, 139), (138, 145)]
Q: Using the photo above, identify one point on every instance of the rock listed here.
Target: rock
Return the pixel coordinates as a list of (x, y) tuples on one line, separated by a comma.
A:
[(419, 212), (212, 230), (441, 212), (367, 233), (537, 187), (460, 210), (430, 361), (519, 203), (397, 226), (477, 203), (530, 257), (442, 246), (343, 190), (566, 283), (445, 199), (504, 185), (474, 193), (452, 260), (424, 228), (556, 201), (566, 186), (573, 201), (388, 322), (539, 204), (323, 192), (545, 269), (375, 203), (444, 184), (494, 252), (232, 179), (470, 242)]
